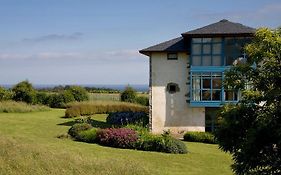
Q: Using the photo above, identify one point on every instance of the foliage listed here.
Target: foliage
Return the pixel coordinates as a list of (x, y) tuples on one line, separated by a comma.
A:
[(250, 130), (129, 95), (79, 93), (90, 108), (89, 135), (25, 92), (75, 130), (160, 143), (42, 98), (117, 137), (204, 137), (60, 100), (142, 100), (125, 118), (20, 107), (5, 94)]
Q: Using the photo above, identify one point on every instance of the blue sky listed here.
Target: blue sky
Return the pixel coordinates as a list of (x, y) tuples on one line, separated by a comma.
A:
[(97, 42)]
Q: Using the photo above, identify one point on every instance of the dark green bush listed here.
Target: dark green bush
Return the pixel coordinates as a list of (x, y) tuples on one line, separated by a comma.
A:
[(83, 109), (129, 95), (5, 94), (75, 130), (24, 91), (79, 93), (42, 98), (60, 100), (125, 118), (204, 137), (142, 100)]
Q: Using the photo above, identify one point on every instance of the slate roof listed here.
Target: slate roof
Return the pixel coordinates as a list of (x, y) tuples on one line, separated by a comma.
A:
[(181, 44), (173, 45), (223, 27)]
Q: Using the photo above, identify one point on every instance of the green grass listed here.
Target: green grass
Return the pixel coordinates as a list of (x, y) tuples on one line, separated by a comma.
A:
[(29, 145)]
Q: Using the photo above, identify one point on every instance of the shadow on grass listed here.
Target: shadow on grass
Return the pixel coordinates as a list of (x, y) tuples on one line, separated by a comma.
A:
[(94, 123)]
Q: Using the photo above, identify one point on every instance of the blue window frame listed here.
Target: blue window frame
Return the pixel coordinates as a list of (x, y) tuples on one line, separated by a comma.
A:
[(210, 57)]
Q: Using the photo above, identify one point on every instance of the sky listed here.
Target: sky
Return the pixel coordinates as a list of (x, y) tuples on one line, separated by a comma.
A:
[(97, 42)]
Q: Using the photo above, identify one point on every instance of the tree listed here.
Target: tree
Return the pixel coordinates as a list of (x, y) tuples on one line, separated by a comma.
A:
[(251, 129), (24, 91), (79, 93), (5, 94), (129, 95)]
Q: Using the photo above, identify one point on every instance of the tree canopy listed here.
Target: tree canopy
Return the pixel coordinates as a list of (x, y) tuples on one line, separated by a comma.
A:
[(251, 129)]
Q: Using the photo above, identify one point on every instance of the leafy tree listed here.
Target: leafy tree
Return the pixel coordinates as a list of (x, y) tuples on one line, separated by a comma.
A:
[(79, 93), (251, 129), (24, 91), (129, 95), (5, 94)]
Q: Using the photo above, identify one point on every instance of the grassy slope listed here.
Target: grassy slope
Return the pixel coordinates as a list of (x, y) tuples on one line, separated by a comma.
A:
[(29, 146)]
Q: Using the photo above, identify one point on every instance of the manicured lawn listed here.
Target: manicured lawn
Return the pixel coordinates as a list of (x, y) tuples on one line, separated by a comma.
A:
[(29, 145)]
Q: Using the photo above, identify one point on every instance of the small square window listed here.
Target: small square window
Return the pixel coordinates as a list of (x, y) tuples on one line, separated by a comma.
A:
[(173, 88), (172, 56)]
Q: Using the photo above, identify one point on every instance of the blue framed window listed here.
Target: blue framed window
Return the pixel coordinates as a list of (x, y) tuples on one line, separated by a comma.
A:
[(207, 52)]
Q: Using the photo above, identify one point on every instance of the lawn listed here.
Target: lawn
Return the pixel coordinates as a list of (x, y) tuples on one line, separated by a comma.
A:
[(29, 145)]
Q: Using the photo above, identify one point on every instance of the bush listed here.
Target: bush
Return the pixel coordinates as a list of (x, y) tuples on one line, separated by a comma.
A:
[(42, 98), (20, 107), (128, 95), (163, 143), (79, 93), (24, 91), (204, 137), (125, 118), (60, 100), (117, 137), (142, 100), (5, 94), (89, 136), (82, 109), (75, 130)]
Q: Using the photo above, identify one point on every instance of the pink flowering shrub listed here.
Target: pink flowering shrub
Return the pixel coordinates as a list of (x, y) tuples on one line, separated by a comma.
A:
[(117, 137)]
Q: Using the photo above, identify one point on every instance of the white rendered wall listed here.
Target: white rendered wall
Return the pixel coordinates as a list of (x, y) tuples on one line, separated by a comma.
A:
[(171, 111)]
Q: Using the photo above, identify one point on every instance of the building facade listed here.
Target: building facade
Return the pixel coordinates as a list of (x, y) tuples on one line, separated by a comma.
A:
[(186, 75)]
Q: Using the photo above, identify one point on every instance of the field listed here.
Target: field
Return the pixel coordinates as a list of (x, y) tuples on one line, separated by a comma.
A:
[(109, 97), (29, 145)]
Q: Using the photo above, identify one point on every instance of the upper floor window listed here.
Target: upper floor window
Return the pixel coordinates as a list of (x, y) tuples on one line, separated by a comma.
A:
[(206, 52), (172, 56), (234, 49)]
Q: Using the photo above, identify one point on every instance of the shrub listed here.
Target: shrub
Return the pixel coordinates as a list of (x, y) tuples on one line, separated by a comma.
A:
[(125, 118), (21, 107), (204, 137), (89, 108), (24, 91), (77, 128), (160, 143), (60, 100), (89, 136), (79, 93), (5, 94), (128, 95), (117, 137), (42, 98), (142, 100)]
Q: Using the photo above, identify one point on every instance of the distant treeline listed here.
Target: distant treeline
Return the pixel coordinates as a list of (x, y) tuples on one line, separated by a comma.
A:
[(89, 89)]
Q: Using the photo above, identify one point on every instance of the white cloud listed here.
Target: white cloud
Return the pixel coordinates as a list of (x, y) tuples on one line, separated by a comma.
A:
[(55, 37)]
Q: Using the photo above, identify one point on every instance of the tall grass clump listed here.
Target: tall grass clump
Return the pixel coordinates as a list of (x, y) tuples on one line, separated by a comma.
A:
[(20, 107), (98, 107)]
